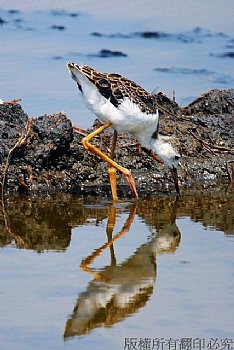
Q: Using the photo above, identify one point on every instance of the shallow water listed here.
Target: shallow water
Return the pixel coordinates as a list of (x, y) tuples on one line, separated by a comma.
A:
[(81, 272), (190, 51)]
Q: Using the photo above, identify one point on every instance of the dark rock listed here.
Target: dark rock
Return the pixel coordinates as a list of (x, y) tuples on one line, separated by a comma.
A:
[(152, 35), (57, 58), (182, 37), (52, 157), (12, 124), (229, 54), (112, 35), (48, 140), (58, 27), (18, 20), (213, 102), (2, 21), (204, 73), (58, 12), (97, 34), (74, 14), (14, 11), (64, 13), (109, 53)]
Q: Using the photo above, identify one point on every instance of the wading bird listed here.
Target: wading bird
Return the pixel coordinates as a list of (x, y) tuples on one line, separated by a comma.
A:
[(126, 107)]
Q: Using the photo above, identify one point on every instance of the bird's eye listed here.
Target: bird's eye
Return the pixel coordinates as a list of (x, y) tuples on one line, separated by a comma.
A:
[(177, 157)]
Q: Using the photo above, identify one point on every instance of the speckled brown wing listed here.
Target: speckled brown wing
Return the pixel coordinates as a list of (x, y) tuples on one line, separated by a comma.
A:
[(115, 87)]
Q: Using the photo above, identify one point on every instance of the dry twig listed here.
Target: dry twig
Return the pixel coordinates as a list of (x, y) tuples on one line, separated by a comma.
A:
[(209, 147), (12, 102), (79, 130)]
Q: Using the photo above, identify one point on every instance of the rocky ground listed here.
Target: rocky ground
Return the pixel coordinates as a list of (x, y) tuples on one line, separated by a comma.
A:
[(45, 154)]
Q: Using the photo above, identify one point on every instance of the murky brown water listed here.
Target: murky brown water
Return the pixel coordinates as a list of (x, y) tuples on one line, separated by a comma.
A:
[(75, 270)]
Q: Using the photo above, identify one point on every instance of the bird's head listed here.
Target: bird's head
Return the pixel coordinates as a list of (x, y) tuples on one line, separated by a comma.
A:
[(73, 69), (165, 148), (76, 75)]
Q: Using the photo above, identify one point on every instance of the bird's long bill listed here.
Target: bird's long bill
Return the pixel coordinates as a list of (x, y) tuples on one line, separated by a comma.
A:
[(175, 179)]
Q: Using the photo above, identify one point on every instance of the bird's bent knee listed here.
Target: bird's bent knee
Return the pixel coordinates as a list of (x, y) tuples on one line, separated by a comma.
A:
[(111, 170), (128, 173), (85, 143)]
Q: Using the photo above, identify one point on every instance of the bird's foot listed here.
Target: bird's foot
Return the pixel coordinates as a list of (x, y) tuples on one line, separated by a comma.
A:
[(131, 183)]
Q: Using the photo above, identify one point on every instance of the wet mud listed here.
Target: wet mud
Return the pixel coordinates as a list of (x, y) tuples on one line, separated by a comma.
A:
[(45, 154)]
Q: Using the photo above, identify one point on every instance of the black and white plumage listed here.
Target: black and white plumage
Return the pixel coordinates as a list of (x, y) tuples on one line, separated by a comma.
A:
[(128, 107)]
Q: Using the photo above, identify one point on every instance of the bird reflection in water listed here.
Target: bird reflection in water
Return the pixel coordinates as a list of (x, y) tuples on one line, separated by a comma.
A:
[(118, 291)]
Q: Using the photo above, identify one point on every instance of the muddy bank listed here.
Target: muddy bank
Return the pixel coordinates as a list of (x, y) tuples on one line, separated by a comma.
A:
[(49, 156)]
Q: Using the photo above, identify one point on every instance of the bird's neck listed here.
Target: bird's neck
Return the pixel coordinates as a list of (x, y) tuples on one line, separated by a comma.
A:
[(146, 138), (159, 147), (152, 142), (155, 145)]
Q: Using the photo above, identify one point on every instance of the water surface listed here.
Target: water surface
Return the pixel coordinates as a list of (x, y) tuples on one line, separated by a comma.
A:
[(75, 271)]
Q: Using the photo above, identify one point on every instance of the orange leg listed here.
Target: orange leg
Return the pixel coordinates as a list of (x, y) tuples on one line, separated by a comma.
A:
[(110, 226), (112, 170), (111, 163), (109, 232)]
